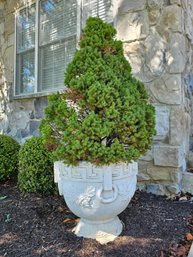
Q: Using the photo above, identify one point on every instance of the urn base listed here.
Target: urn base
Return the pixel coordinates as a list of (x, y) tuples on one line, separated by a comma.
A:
[(103, 231)]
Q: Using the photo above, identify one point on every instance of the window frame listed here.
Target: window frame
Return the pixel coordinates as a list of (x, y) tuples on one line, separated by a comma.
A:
[(37, 47)]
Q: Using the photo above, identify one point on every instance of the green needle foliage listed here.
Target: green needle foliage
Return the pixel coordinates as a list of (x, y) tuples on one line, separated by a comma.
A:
[(104, 115)]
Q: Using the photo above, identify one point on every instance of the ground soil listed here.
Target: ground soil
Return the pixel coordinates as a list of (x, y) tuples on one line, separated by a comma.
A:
[(33, 225)]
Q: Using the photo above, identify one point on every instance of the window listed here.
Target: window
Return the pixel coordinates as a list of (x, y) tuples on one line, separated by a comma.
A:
[(46, 39)]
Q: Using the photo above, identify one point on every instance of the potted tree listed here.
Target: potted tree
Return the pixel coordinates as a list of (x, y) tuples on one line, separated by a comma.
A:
[(97, 129)]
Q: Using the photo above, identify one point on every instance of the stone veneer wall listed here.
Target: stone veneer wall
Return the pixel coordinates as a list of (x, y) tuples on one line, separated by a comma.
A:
[(158, 39)]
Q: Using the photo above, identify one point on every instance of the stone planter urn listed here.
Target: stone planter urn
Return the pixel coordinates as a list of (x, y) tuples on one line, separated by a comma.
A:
[(97, 195)]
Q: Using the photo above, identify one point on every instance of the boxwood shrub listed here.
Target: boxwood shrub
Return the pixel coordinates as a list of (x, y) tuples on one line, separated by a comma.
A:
[(9, 149), (35, 167)]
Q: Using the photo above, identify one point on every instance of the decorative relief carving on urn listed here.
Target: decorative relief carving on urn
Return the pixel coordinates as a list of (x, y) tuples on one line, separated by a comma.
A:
[(86, 199), (93, 173), (77, 172), (64, 171), (116, 171)]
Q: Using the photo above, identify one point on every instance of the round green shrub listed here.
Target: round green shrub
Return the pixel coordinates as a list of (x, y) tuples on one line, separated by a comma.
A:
[(104, 116), (9, 149), (35, 167)]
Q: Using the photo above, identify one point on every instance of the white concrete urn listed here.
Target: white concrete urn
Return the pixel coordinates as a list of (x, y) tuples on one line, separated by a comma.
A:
[(97, 195)]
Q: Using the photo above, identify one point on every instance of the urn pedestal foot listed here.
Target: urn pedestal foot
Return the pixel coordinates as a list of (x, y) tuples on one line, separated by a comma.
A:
[(103, 231)]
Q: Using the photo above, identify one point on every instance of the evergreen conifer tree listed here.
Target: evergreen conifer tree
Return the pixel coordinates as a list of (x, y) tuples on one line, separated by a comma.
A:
[(104, 115)]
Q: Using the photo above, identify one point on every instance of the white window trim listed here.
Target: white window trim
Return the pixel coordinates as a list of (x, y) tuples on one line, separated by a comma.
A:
[(36, 93)]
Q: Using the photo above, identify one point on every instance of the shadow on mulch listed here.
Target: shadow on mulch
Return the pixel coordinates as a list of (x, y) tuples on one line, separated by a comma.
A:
[(34, 226)]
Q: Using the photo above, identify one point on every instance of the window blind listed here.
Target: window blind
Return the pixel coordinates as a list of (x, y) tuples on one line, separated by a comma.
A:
[(25, 58), (55, 59), (58, 29), (26, 29), (97, 8), (26, 72), (58, 20)]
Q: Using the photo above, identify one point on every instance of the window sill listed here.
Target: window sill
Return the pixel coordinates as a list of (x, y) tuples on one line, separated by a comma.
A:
[(36, 95)]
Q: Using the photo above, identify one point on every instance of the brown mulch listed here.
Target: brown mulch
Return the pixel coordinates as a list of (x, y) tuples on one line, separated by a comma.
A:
[(32, 225)]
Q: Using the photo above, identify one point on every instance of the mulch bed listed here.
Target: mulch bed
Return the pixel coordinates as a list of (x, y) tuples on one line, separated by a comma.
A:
[(32, 225)]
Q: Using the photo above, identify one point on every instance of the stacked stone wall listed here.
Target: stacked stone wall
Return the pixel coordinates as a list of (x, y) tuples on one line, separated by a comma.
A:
[(157, 38)]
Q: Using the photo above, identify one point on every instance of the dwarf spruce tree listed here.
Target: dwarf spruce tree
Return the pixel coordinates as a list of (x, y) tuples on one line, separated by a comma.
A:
[(103, 116)]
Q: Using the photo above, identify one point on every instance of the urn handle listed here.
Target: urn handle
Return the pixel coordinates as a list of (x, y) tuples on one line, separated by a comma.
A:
[(111, 199)]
